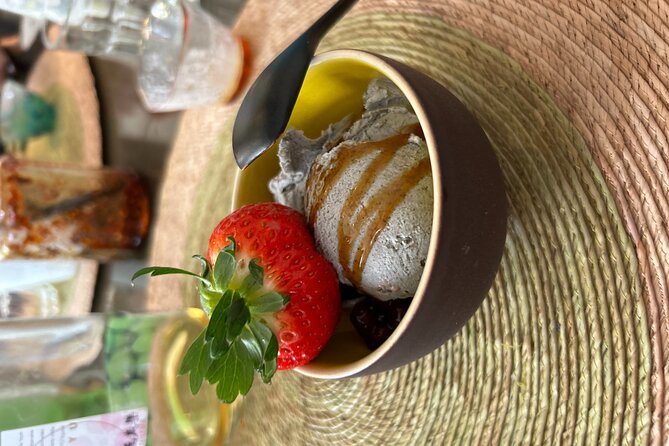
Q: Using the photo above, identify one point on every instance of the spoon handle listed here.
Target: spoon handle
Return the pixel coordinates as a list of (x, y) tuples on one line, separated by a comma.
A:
[(263, 114), (316, 31)]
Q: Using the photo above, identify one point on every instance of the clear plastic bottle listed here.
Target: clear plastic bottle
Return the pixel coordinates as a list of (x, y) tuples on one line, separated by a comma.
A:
[(103, 379)]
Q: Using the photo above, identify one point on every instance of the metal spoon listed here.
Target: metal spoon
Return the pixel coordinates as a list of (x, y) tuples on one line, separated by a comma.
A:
[(267, 106)]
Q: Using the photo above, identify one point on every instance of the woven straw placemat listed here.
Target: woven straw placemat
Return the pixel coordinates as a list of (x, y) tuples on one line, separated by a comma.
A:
[(570, 345)]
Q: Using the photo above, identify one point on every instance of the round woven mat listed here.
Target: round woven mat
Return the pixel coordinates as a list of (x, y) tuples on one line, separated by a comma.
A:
[(570, 345)]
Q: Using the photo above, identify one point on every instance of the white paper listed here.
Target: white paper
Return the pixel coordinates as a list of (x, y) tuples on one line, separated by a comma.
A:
[(128, 427)]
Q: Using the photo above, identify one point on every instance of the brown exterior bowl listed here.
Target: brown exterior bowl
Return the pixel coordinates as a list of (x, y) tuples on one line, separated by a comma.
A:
[(469, 218)]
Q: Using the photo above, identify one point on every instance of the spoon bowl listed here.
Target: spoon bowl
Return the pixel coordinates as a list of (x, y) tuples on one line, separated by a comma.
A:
[(267, 106)]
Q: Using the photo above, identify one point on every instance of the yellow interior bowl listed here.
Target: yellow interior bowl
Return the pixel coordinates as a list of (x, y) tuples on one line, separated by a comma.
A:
[(463, 255)]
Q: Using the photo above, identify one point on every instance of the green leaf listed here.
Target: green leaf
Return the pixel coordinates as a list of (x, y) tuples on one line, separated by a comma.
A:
[(270, 349), (224, 268), (262, 333), (205, 265), (231, 248), (233, 373), (204, 362), (196, 361), (271, 353), (218, 348), (195, 382), (254, 280), (209, 298), (238, 316), (252, 346), (164, 270), (256, 271), (192, 354), (269, 303), (268, 371), (216, 333)]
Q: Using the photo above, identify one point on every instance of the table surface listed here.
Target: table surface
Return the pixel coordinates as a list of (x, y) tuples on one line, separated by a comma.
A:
[(573, 339)]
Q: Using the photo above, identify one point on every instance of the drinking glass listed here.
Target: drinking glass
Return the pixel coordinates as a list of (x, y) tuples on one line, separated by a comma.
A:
[(58, 210), (185, 56)]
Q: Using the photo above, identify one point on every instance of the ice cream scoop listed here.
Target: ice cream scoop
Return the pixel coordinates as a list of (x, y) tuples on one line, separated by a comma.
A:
[(369, 198)]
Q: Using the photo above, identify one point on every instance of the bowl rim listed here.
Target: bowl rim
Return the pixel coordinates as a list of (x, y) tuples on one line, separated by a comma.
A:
[(381, 64)]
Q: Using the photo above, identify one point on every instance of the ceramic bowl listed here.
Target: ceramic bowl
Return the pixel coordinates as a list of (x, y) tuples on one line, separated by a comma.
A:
[(469, 216)]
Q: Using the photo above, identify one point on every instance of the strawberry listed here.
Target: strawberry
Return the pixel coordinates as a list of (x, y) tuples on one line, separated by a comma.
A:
[(272, 298)]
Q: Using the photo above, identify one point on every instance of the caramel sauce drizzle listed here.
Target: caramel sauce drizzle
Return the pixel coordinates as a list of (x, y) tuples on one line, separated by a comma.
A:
[(378, 208), (321, 182)]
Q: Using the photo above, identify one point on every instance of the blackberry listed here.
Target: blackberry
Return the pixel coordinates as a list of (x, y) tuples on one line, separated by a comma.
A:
[(375, 320)]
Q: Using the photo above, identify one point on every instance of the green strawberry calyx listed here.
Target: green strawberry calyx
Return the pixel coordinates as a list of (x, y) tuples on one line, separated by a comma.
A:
[(237, 341)]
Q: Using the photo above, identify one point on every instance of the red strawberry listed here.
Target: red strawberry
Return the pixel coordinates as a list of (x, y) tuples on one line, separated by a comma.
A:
[(280, 240), (272, 298)]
